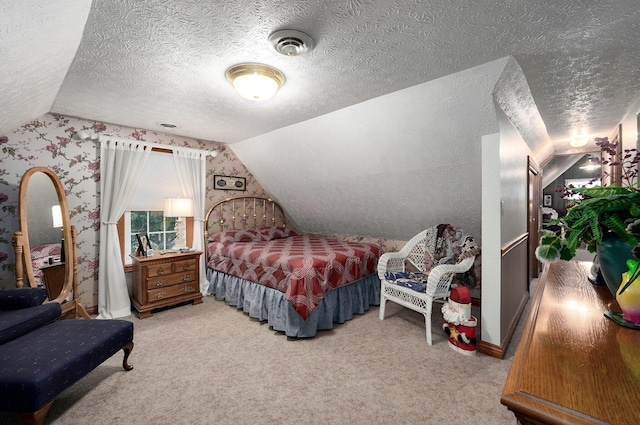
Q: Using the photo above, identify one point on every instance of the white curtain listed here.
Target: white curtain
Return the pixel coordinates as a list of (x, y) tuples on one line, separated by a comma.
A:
[(121, 165), (191, 167)]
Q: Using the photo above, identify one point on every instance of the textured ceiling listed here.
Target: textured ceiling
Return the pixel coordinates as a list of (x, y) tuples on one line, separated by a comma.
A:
[(142, 63), (343, 149)]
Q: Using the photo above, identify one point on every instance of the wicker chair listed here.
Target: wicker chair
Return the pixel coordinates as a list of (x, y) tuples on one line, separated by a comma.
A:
[(393, 270)]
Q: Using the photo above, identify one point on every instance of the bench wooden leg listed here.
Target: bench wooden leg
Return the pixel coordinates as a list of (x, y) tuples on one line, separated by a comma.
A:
[(37, 417), (127, 350)]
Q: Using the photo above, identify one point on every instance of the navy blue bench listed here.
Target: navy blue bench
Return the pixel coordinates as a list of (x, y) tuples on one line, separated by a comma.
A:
[(36, 365)]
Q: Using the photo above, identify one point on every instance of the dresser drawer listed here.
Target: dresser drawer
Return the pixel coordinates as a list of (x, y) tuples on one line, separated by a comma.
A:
[(172, 279), (157, 295), (161, 269), (185, 266)]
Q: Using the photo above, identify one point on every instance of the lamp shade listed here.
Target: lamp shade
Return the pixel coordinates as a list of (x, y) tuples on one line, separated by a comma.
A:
[(255, 81), (56, 214), (178, 207)]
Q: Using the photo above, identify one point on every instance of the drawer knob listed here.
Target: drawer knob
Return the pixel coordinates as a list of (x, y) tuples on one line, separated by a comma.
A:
[(159, 295), (159, 282), (187, 289), (160, 271), (185, 267), (186, 277)]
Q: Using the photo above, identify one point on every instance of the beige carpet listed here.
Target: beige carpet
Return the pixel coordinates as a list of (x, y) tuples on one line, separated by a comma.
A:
[(212, 364)]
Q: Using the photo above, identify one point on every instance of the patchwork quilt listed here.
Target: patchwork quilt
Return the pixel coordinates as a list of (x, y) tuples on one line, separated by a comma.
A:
[(303, 267)]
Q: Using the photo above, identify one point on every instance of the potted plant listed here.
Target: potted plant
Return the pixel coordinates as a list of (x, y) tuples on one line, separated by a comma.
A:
[(602, 217)]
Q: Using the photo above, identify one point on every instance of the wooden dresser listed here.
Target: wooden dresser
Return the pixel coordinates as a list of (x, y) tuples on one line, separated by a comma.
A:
[(573, 365), (165, 280)]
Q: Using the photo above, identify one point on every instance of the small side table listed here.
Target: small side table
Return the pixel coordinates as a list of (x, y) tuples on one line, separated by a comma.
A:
[(165, 280), (53, 276)]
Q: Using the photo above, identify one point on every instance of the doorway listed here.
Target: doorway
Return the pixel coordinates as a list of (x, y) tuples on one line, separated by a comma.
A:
[(534, 217)]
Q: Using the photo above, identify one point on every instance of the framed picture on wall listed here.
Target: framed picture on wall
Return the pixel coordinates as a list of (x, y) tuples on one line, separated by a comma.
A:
[(546, 200), (229, 183)]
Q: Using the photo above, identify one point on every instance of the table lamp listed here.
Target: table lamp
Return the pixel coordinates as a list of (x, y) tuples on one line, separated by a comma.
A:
[(180, 208), (56, 214)]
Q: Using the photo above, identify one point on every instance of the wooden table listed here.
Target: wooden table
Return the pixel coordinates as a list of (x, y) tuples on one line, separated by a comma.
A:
[(574, 365), (53, 276)]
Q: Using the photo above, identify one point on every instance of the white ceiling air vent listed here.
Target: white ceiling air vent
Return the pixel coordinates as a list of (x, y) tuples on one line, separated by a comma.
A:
[(291, 42)]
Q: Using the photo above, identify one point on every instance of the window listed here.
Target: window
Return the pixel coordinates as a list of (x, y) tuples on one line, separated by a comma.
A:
[(145, 211), (159, 229)]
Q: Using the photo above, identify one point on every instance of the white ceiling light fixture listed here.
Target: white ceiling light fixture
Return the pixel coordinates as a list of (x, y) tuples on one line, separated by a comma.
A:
[(579, 140), (255, 81), (291, 42), (590, 164)]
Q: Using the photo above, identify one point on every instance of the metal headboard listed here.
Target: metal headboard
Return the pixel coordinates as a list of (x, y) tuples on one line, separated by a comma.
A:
[(243, 212)]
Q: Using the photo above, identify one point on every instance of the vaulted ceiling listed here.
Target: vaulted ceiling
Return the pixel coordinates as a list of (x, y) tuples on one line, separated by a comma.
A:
[(143, 63)]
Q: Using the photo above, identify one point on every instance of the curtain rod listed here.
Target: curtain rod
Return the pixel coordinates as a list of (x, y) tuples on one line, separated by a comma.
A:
[(82, 135)]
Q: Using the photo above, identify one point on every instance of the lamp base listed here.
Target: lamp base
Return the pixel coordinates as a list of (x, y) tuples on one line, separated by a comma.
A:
[(181, 234), (62, 254)]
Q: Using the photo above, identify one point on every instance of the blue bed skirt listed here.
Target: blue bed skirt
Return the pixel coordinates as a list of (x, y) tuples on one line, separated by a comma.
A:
[(264, 303)]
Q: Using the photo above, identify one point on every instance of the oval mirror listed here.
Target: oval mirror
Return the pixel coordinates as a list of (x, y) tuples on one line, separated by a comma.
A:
[(46, 234)]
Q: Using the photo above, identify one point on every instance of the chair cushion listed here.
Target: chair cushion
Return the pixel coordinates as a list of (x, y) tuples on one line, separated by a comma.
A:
[(16, 323), (412, 280), (37, 367), (15, 298)]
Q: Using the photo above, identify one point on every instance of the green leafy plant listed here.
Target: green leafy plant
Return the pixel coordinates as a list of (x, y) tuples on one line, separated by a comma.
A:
[(598, 212)]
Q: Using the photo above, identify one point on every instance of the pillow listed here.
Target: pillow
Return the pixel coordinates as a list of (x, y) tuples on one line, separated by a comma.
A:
[(263, 235), (271, 233), (469, 249), (45, 251), (447, 244), (230, 236)]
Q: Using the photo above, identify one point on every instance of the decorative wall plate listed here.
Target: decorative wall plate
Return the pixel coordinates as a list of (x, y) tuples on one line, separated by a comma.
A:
[(229, 183)]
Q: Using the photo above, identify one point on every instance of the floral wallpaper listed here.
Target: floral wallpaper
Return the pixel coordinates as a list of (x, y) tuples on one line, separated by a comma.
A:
[(47, 142)]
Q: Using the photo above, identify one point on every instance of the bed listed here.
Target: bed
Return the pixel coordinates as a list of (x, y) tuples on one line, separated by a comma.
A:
[(298, 283), (40, 256)]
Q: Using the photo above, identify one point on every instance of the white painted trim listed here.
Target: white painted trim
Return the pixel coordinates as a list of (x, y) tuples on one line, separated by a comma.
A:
[(491, 241)]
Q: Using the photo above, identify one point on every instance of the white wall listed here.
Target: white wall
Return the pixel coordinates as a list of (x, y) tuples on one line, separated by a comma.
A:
[(389, 167), (513, 181), (491, 240), (504, 194), (630, 137)]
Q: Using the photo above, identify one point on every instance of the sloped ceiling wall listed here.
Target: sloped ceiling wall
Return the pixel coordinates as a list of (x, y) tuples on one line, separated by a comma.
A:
[(36, 58), (388, 167), (513, 96)]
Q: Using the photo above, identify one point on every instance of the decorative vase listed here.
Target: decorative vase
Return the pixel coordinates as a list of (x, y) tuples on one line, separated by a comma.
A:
[(628, 295), (613, 254)]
